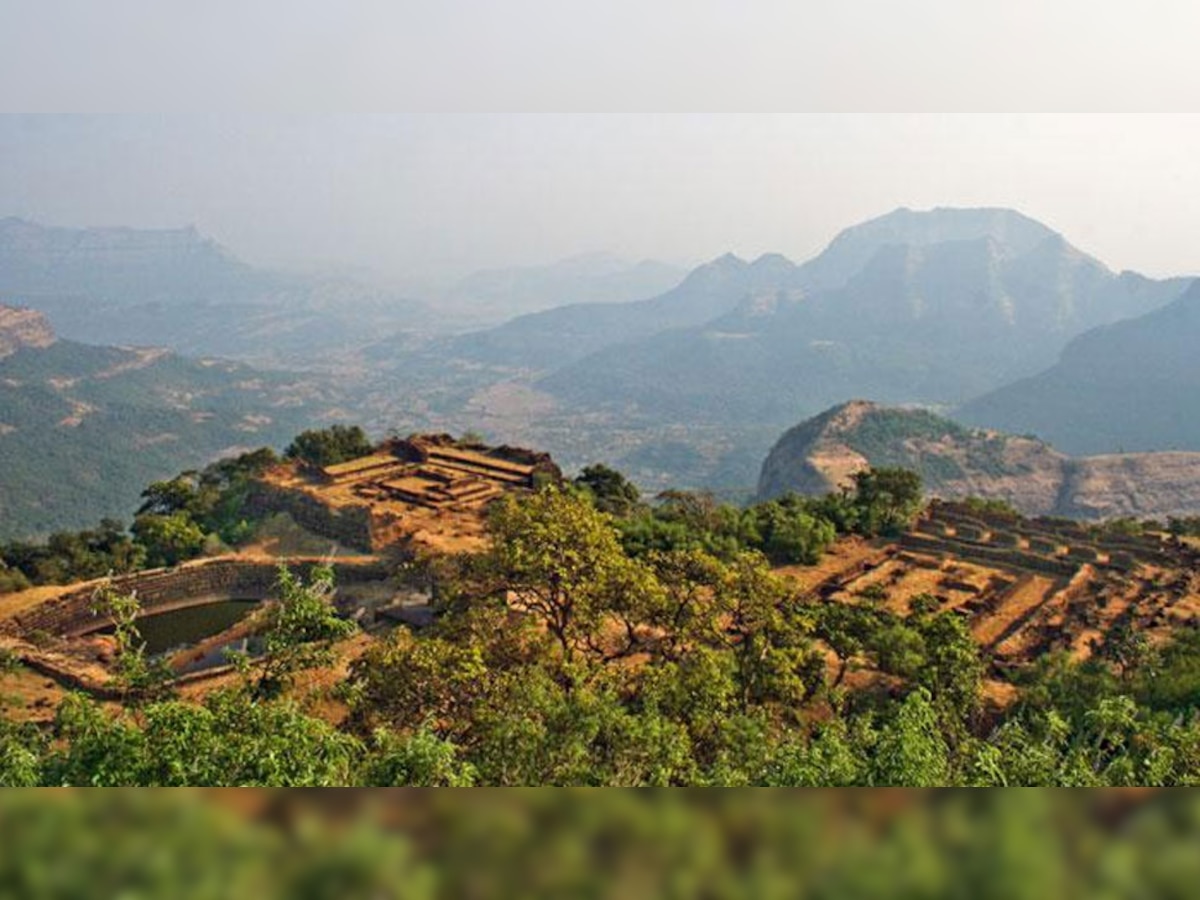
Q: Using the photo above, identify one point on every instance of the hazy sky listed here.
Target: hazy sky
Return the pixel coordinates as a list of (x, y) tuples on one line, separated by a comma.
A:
[(597, 55), (437, 195), (240, 142), (432, 194)]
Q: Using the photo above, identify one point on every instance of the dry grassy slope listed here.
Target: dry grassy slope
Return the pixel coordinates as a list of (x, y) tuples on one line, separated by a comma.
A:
[(821, 455)]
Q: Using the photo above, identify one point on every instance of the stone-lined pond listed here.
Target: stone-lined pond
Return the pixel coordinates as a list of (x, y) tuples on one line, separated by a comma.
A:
[(181, 628)]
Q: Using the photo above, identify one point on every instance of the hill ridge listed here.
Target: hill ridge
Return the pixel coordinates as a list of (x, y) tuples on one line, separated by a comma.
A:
[(821, 454)]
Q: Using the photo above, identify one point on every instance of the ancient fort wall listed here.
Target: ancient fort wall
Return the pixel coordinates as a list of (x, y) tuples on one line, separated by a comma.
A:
[(162, 590), (351, 526)]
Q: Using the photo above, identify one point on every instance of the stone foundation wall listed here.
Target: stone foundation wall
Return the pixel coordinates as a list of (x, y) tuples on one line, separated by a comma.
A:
[(350, 526), (159, 590)]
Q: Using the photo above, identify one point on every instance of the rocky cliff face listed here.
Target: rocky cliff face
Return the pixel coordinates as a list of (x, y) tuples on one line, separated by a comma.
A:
[(119, 264), (23, 328), (823, 453)]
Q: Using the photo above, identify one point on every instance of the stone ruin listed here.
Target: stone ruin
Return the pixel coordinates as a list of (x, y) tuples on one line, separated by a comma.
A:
[(436, 472), (425, 490)]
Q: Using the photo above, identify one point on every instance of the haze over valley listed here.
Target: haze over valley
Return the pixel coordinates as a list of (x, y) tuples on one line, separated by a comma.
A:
[(680, 374), (688, 387)]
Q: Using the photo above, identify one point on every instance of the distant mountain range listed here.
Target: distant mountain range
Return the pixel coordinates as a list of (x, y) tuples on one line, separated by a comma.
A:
[(84, 428), (953, 309), (563, 335), (121, 266), (933, 307), (1132, 385), (822, 453), (496, 295), (179, 289)]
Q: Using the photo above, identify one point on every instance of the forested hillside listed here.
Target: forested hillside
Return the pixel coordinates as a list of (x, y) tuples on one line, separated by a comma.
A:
[(84, 428)]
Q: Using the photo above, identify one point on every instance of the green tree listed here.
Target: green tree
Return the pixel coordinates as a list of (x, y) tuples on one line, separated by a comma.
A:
[(170, 539), (96, 748), (830, 758), (20, 756), (560, 558), (764, 627), (952, 670), (224, 489), (329, 446), (848, 629), (682, 611), (405, 684), (611, 491), (230, 740), (1168, 679), (887, 499), (163, 498), (22, 746), (300, 630), (421, 759), (911, 751), (699, 690), (137, 677), (11, 579), (787, 533)]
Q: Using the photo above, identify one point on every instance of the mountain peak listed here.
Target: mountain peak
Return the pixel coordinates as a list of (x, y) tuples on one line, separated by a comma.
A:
[(1013, 233), (716, 272), (728, 261), (773, 262), (967, 221)]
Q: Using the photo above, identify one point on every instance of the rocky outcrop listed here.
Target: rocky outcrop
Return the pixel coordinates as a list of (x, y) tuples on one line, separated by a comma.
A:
[(21, 327), (823, 453)]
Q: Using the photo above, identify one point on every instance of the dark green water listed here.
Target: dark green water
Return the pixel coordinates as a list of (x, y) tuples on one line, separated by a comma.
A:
[(183, 627)]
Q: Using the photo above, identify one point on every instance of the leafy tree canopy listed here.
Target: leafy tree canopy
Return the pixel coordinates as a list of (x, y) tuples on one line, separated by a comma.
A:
[(329, 446)]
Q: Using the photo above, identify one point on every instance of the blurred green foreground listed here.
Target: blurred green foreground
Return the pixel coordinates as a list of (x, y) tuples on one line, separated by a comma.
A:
[(535, 843)]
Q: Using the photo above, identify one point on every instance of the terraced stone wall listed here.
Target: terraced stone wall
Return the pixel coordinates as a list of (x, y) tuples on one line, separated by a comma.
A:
[(998, 556)]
